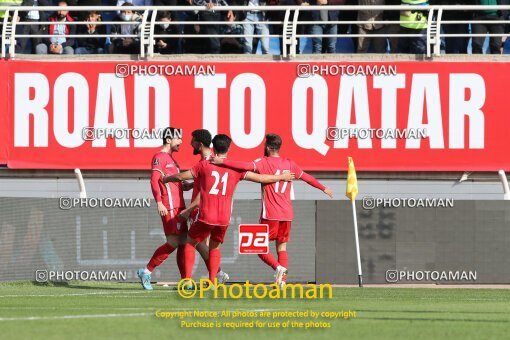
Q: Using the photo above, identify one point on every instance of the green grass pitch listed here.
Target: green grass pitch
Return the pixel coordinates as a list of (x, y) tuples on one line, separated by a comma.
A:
[(123, 311)]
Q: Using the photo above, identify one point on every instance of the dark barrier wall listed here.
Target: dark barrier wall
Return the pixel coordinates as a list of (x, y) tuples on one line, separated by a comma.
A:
[(471, 236), (35, 234)]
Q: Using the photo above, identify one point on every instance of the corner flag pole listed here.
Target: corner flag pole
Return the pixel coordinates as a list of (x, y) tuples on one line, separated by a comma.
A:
[(360, 274), (351, 192)]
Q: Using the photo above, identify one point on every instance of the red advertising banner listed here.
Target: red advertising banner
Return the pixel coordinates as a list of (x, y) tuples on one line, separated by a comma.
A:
[(4, 114), (402, 116)]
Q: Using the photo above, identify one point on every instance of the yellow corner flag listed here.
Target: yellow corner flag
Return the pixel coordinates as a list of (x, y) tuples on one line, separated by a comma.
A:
[(352, 183)]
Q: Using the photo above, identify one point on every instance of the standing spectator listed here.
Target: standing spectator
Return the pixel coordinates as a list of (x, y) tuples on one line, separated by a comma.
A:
[(188, 43), (59, 44), (212, 45), (165, 45), (365, 42), (27, 45), (413, 22), (349, 28), (488, 15), (327, 44), (92, 44), (391, 29), (253, 23), (126, 45), (456, 45)]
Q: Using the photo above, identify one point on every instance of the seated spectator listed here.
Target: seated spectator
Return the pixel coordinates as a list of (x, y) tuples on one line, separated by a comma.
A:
[(327, 44), (165, 45), (93, 44), (59, 44), (123, 45), (496, 28)]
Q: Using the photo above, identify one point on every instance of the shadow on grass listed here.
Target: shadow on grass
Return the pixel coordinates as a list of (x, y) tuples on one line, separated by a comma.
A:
[(428, 311), (94, 286), (434, 319)]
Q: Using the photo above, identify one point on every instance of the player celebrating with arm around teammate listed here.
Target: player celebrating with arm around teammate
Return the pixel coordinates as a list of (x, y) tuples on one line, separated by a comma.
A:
[(170, 201), (200, 142), (217, 186), (277, 209)]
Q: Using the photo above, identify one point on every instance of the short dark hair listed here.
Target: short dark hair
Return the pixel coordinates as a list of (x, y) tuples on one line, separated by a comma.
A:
[(164, 14), (221, 143), (273, 141), (203, 136), (126, 4), (170, 132)]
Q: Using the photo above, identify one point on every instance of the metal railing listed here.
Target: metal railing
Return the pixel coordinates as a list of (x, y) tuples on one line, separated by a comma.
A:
[(289, 32)]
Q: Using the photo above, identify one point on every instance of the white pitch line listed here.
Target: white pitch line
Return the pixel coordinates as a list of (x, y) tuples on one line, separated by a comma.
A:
[(32, 318)]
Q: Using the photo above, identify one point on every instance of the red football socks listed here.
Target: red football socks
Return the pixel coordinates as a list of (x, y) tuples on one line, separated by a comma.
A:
[(180, 260), (189, 260), (283, 258), (269, 260), (160, 255), (214, 262)]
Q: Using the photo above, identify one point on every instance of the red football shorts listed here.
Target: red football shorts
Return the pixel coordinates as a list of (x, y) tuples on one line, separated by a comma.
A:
[(278, 230), (171, 223), (200, 230)]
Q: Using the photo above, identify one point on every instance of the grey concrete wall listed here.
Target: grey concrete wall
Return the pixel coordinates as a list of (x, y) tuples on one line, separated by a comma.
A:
[(471, 236), (125, 187)]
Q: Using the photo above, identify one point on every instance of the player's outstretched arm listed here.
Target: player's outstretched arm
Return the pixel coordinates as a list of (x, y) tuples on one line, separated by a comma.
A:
[(186, 212), (181, 176), (267, 179), (310, 180), (236, 165)]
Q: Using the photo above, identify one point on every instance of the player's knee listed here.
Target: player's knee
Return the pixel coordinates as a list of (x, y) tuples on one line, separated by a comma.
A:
[(214, 244), (191, 241), (173, 240), (281, 246)]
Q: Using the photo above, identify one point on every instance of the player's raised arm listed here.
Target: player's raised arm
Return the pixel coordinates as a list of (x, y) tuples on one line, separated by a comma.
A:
[(267, 179), (236, 165), (181, 176)]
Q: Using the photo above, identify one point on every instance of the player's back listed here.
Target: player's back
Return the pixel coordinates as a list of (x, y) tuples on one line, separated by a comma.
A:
[(217, 186), (276, 197)]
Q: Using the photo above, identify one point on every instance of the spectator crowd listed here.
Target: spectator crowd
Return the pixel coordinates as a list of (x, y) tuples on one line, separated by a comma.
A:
[(370, 35)]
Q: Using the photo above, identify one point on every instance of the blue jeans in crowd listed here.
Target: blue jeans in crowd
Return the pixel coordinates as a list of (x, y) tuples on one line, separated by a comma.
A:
[(87, 50), (254, 24), (329, 43)]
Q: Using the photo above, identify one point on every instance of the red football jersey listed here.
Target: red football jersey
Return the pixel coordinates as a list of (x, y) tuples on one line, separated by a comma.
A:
[(217, 185), (276, 197), (171, 193), (196, 185)]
